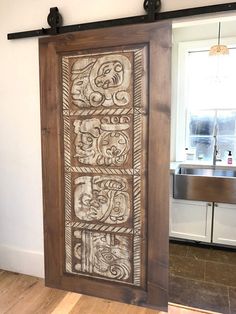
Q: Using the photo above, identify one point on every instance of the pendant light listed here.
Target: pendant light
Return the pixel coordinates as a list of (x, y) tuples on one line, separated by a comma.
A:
[(219, 49)]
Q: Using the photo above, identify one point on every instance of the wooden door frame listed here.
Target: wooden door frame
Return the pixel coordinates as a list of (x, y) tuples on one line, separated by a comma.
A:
[(50, 49)]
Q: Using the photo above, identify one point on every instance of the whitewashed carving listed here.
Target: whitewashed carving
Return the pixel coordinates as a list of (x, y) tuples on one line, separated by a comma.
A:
[(101, 81), (103, 254), (102, 142), (102, 199), (103, 106)]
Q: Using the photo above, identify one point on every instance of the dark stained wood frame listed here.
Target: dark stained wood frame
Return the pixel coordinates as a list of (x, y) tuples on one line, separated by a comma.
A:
[(158, 38)]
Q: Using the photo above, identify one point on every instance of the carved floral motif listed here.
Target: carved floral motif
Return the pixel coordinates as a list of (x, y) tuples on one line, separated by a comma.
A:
[(102, 199), (102, 142), (101, 81), (103, 254)]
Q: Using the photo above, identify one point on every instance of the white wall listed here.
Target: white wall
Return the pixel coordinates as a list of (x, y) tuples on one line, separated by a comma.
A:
[(21, 233)]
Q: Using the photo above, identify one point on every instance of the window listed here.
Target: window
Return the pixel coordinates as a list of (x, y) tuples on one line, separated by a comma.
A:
[(206, 102), (202, 127)]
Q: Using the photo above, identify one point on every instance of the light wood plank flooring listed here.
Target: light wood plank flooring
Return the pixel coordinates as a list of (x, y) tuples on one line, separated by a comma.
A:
[(21, 294)]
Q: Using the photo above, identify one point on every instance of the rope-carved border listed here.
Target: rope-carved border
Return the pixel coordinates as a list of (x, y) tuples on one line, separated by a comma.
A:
[(68, 195), (68, 247), (137, 160), (97, 112), (97, 227), (65, 83), (67, 142), (100, 170)]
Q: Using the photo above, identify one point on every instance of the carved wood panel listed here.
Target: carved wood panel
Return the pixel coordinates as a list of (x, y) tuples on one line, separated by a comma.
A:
[(105, 111), (104, 104)]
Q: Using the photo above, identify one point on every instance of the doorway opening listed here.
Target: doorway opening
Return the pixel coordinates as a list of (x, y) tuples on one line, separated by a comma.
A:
[(202, 230)]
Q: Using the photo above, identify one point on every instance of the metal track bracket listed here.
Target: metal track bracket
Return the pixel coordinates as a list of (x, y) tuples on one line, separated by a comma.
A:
[(152, 7)]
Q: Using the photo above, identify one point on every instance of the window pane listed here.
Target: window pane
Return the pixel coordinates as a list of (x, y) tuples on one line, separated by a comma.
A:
[(224, 144), (204, 147), (226, 122), (201, 123)]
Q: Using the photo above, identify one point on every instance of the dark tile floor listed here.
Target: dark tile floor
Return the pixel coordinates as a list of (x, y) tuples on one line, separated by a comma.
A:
[(203, 277)]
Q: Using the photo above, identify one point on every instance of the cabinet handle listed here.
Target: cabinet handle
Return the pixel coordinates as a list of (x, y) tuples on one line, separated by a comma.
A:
[(216, 205), (209, 204)]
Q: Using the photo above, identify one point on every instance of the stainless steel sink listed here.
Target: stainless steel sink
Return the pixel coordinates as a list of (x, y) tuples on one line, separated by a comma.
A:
[(205, 184), (208, 172)]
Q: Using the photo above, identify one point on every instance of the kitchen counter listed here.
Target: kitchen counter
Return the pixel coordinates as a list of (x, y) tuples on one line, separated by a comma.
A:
[(174, 165), (191, 164)]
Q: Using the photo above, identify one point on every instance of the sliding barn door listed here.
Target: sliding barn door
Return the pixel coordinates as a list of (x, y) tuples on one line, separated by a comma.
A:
[(105, 107)]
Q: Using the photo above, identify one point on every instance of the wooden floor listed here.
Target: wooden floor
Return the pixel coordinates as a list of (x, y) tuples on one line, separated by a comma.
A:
[(20, 294)]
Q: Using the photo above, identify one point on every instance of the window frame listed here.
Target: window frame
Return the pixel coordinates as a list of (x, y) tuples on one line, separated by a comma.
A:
[(179, 123)]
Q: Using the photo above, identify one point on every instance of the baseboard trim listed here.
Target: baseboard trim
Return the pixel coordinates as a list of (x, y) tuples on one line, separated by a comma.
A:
[(21, 261)]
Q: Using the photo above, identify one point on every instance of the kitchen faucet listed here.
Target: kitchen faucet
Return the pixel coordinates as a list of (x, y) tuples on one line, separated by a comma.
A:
[(215, 151)]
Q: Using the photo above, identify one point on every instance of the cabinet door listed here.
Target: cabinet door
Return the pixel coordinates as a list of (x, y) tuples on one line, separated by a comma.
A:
[(224, 227), (105, 107), (191, 220)]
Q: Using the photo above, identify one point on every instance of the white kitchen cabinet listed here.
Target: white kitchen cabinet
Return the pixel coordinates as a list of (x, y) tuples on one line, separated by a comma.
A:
[(224, 224), (191, 220)]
